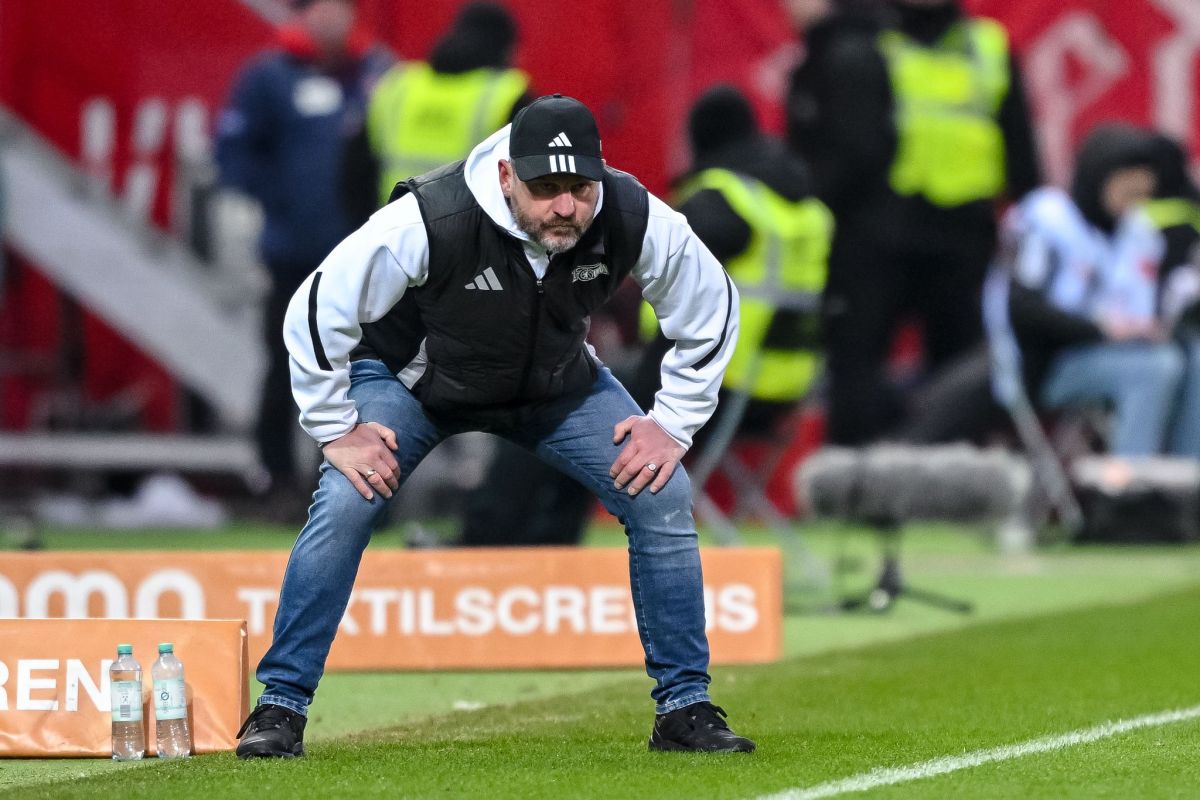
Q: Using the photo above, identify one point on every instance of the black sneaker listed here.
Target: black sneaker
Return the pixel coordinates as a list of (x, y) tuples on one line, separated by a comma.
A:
[(272, 732), (699, 727)]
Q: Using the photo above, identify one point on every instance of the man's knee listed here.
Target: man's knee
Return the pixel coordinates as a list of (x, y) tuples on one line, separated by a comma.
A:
[(667, 511), (678, 491), (1163, 367), (337, 496)]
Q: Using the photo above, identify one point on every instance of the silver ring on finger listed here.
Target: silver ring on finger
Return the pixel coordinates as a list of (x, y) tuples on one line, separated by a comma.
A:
[(652, 467), (370, 472)]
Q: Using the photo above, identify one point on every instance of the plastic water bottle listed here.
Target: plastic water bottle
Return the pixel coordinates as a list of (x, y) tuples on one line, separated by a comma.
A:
[(170, 705), (125, 682)]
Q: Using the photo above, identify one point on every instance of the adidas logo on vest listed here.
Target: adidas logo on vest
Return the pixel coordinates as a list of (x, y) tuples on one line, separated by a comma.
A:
[(486, 281)]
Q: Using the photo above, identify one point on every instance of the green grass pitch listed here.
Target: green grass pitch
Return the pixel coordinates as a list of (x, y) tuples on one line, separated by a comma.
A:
[(1062, 642)]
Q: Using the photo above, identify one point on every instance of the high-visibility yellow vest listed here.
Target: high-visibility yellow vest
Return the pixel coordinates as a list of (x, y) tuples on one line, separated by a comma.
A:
[(948, 98), (779, 277), (419, 119), (1169, 212)]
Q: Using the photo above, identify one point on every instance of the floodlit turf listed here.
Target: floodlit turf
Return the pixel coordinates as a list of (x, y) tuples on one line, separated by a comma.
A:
[(858, 693), (816, 719)]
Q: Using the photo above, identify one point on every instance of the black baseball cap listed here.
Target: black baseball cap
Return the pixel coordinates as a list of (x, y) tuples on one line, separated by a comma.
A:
[(555, 134)]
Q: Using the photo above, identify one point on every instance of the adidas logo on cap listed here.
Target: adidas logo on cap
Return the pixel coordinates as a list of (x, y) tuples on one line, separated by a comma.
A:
[(555, 135)]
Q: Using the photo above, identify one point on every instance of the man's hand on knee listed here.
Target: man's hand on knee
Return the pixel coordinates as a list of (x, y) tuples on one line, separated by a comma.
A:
[(364, 456), (649, 458)]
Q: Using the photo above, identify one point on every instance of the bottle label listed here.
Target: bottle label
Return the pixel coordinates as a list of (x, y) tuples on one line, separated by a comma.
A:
[(170, 700), (126, 701)]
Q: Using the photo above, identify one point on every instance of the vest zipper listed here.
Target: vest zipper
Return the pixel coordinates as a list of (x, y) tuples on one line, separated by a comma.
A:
[(533, 333)]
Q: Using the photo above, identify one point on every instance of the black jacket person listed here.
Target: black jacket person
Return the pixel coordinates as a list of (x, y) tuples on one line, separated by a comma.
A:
[(945, 133), (1175, 210)]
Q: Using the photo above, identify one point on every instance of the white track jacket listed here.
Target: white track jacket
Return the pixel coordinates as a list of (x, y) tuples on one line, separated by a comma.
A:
[(371, 269)]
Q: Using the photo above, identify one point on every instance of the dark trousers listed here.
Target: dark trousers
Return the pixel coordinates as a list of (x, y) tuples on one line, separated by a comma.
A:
[(956, 404), (277, 415), (524, 501), (873, 286)]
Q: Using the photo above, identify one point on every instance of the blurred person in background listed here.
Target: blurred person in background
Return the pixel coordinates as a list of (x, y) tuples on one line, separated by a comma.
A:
[(1175, 210), (462, 305), (839, 103), (280, 140), (912, 175), (1084, 298), (750, 200)]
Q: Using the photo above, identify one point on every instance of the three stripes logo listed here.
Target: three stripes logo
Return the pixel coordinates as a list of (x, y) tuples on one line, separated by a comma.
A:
[(486, 281), (562, 163)]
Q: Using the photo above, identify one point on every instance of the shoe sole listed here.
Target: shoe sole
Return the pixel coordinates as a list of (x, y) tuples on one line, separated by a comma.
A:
[(251, 751), (667, 746)]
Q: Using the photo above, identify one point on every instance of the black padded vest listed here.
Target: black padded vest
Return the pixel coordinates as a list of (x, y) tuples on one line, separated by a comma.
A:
[(494, 334)]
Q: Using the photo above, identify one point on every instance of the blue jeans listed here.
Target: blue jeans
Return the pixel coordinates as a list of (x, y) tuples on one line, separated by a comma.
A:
[(573, 434), (1184, 439), (1141, 381)]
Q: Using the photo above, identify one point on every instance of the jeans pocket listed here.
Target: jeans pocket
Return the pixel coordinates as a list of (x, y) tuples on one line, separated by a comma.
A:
[(369, 368)]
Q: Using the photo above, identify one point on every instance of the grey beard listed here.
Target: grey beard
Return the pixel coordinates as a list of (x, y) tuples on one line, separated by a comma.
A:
[(559, 245), (534, 230)]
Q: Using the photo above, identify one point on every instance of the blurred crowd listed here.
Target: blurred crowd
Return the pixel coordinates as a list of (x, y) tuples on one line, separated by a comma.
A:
[(908, 170), (906, 182)]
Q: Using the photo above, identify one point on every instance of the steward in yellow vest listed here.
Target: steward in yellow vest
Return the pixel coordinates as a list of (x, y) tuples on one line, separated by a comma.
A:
[(780, 275), (420, 118), (425, 114), (749, 200), (963, 134), (915, 133), (948, 98)]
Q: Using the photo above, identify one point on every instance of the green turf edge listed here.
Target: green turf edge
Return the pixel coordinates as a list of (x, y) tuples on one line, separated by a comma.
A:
[(817, 719)]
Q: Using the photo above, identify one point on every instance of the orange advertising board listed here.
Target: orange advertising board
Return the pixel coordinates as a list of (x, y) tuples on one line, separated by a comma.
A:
[(425, 609), (55, 692)]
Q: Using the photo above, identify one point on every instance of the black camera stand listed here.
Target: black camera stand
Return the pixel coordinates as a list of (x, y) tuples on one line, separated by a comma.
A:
[(891, 586)]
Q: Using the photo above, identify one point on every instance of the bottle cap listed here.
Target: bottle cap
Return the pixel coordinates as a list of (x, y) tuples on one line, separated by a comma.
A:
[(124, 649), (166, 647)]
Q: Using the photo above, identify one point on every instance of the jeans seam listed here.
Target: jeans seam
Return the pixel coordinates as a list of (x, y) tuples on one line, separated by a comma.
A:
[(634, 575)]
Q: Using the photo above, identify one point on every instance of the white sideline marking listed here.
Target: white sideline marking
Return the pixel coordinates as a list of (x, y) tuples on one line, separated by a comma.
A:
[(940, 766)]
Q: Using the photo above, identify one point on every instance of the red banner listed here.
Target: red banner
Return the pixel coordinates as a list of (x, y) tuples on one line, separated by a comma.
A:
[(1089, 61), (120, 84)]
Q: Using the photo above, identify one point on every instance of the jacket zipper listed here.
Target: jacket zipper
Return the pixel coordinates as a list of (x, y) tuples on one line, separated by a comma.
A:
[(533, 334)]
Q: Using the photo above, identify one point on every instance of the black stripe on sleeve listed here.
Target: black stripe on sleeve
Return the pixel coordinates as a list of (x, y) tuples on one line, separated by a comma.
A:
[(318, 348), (702, 363)]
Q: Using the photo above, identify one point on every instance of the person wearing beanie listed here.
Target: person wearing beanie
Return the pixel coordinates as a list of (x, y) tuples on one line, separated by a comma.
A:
[(427, 113), (1083, 298), (462, 305), (914, 117), (281, 136), (1175, 210)]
